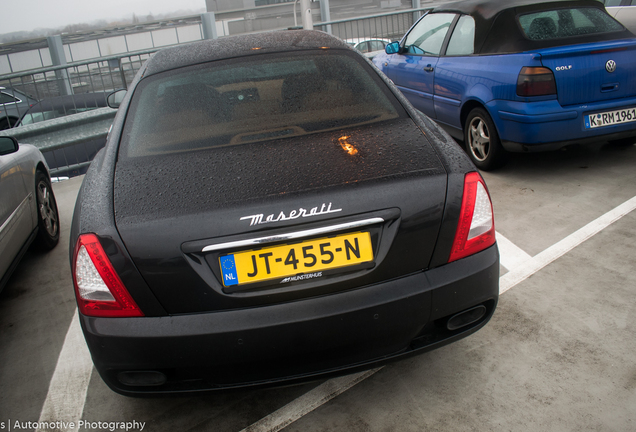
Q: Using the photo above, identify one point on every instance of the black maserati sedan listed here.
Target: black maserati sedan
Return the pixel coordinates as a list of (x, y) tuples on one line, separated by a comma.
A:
[(269, 209)]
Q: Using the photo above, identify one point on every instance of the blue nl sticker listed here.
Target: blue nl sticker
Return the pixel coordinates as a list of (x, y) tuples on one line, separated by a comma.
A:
[(228, 269)]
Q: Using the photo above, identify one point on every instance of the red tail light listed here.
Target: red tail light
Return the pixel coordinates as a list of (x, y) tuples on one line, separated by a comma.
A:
[(98, 289), (536, 81), (476, 227)]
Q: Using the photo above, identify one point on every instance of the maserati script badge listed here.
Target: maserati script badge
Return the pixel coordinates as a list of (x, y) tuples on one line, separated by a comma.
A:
[(259, 219)]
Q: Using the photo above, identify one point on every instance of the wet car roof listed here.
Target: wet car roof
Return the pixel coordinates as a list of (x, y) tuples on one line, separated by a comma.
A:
[(240, 46)]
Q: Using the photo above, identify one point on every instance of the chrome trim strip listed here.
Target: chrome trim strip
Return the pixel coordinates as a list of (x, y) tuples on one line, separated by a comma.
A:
[(17, 99), (11, 220), (293, 235)]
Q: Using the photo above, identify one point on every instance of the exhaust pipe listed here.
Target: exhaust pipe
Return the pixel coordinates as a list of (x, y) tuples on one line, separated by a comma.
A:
[(466, 317)]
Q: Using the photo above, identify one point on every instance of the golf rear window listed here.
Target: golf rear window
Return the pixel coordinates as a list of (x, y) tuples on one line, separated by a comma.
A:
[(251, 99), (567, 22)]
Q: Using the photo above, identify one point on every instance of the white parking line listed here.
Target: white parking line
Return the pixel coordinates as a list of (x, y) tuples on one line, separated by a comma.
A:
[(308, 402), (67, 390), (559, 249), (510, 255)]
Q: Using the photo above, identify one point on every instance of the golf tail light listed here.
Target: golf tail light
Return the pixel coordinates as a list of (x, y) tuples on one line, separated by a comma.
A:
[(98, 288), (536, 81), (476, 226)]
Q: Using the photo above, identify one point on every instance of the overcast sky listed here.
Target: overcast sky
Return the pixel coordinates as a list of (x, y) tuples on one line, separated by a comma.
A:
[(28, 15)]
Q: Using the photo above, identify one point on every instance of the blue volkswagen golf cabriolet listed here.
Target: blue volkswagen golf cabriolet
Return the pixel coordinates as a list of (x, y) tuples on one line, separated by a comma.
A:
[(519, 75)]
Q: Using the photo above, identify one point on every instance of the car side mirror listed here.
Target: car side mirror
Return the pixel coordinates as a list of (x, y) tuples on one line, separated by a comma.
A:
[(8, 145), (114, 99), (392, 48)]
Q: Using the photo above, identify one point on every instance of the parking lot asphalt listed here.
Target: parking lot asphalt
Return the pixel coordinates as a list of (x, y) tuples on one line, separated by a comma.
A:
[(559, 353)]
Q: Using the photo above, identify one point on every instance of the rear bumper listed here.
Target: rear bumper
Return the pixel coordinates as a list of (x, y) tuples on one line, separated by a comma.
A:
[(540, 126), (293, 342)]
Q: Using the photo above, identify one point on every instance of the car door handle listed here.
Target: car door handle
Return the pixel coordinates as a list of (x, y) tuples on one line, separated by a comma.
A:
[(429, 68)]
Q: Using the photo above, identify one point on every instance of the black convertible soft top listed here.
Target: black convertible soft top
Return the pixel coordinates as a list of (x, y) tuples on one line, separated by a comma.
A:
[(497, 29)]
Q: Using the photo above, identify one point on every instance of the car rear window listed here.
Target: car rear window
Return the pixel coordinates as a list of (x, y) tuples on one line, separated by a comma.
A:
[(567, 22), (256, 98), (5, 99)]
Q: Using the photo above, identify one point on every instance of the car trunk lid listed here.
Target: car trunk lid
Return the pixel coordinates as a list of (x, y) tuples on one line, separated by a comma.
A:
[(386, 173), (608, 70)]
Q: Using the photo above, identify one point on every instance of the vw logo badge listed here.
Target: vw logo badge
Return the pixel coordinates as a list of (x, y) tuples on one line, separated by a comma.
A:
[(610, 66)]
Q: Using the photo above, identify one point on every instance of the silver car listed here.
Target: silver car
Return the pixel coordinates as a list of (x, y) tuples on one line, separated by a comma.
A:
[(28, 210), (624, 11), (370, 47), (13, 105)]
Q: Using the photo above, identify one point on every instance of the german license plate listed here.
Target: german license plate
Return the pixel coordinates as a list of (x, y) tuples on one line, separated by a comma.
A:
[(610, 118), (292, 261)]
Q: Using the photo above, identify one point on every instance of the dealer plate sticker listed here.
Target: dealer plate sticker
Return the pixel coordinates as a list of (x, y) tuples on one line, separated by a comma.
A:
[(610, 118), (288, 260)]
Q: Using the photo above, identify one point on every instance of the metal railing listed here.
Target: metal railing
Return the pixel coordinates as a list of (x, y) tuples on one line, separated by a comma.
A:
[(90, 45), (69, 143), (68, 155), (390, 26), (104, 74), (114, 72)]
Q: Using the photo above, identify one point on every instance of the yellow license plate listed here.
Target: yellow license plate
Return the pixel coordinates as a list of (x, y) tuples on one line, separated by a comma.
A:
[(293, 260)]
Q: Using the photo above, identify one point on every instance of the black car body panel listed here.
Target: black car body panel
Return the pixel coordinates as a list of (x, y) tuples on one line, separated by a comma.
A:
[(315, 338), (320, 174), (155, 215)]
